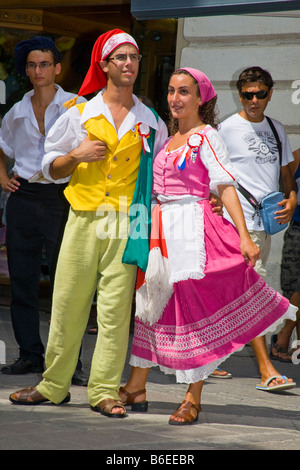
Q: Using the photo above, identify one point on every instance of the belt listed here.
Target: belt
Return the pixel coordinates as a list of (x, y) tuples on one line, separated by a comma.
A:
[(22, 180)]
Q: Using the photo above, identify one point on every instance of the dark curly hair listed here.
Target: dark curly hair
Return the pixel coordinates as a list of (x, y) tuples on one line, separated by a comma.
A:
[(207, 112), (55, 54), (254, 74)]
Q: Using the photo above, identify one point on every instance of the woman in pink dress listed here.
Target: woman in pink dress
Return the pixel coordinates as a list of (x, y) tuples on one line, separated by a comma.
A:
[(200, 299)]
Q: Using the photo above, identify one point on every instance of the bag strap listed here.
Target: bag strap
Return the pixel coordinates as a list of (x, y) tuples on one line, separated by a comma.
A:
[(279, 146), (278, 141), (250, 198)]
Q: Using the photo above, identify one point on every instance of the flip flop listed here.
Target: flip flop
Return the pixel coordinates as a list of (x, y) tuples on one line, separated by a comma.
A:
[(266, 387), (225, 375)]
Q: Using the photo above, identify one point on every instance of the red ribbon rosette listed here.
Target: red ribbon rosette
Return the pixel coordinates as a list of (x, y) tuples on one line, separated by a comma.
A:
[(144, 131), (193, 142)]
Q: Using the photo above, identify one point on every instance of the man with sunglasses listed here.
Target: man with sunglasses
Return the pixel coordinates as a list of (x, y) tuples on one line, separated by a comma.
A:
[(254, 152), (36, 209)]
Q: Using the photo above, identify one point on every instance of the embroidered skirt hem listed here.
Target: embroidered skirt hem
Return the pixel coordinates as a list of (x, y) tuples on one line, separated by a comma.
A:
[(201, 373), (194, 325)]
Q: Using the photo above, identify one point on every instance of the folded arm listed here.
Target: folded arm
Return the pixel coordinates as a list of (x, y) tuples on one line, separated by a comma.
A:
[(88, 151)]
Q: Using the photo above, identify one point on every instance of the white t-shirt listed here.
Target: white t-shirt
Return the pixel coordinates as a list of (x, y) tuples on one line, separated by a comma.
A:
[(254, 154)]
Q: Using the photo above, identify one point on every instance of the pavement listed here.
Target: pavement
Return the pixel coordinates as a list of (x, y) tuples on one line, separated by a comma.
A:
[(235, 416)]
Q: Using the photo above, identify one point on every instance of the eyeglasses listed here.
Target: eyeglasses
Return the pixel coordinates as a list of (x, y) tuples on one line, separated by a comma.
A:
[(260, 95), (40, 65), (123, 57)]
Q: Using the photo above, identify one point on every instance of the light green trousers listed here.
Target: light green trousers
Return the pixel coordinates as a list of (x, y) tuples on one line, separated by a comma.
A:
[(90, 260)]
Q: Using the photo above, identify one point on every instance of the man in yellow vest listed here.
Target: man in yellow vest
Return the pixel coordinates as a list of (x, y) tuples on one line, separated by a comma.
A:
[(98, 148)]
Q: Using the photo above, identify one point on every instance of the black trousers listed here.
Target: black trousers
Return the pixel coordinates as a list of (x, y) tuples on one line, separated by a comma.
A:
[(36, 215)]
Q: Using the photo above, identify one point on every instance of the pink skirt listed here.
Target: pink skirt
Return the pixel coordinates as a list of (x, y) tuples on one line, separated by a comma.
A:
[(205, 320)]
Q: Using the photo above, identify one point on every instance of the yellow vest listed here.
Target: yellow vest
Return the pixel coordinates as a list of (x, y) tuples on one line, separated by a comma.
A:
[(108, 182)]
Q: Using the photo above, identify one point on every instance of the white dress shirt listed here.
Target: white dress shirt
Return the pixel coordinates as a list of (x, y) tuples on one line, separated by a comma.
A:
[(20, 137)]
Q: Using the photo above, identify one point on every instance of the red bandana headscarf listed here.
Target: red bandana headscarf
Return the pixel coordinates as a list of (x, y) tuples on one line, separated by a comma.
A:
[(95, 78)]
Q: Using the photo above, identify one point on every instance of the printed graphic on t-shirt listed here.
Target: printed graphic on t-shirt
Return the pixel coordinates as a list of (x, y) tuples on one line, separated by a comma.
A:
[(263, 145)]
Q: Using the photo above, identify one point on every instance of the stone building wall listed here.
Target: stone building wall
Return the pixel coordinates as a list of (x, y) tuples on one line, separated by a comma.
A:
[(222, 46)]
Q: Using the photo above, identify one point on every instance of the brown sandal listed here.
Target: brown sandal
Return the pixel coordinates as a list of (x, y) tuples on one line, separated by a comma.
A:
[(187, 411), (105, 408), (30, 396), (141, 406)]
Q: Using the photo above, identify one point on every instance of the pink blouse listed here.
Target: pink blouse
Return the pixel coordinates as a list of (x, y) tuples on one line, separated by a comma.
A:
[(210, 167)]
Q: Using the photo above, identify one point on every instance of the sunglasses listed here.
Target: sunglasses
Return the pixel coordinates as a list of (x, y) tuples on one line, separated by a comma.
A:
[(260, 95)]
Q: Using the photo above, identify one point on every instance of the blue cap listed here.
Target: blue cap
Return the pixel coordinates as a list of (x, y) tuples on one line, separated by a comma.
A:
[(23, 48)]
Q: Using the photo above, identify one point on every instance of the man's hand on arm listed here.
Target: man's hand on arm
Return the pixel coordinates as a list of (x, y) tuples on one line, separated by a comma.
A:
[(88, 151), (216, 203)]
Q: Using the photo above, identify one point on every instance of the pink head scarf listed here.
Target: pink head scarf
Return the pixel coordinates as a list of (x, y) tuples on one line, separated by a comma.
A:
[(207, 91)]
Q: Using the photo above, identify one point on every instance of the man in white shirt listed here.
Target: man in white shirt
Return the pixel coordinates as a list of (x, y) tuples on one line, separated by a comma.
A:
[(104, 148), (254, 152), (36, 211)]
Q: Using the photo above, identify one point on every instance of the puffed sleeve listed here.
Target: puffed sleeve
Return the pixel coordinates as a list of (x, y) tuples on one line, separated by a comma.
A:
[(64, 136), (215, 157), (6, 136)]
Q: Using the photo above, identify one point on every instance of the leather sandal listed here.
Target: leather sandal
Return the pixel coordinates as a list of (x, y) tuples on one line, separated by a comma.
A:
[(285, 357), (141, 406), (30, 396), (105, 408), (188, 411)]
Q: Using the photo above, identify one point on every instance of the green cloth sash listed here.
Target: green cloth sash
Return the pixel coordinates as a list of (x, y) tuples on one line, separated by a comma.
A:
[(138, 244)]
